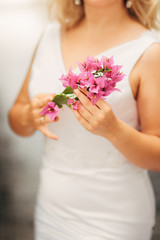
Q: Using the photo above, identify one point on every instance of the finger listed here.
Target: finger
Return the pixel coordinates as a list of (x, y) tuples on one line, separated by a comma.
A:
[(84, 112), (56, 119), (82, 121), (44, 120), (42, 95), (47, 133), (86, 102), (40, 103), (84, 90), (102, 104), (36, 112)]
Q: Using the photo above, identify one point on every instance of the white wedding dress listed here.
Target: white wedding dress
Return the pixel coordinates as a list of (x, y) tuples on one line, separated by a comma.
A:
[(89, 190)]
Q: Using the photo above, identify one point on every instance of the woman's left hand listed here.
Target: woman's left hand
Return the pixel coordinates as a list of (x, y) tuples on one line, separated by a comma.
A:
[(98, 119)]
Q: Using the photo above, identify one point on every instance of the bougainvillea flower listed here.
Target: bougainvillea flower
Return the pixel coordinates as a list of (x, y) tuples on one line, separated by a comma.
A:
[(99, 77), (94, 97), (108, 89), (64, 80), (86, 76), (73, 103), (107, 62), (90, 64), (96, 84), (70, 79), (73, 79), (119, 76), (51, 110), (115, 75)]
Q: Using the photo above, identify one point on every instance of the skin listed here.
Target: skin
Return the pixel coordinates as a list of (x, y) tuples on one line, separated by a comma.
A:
[(24, 117), (140, 148)]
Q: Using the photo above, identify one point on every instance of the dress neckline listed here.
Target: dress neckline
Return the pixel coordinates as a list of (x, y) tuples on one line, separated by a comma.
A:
[(59, 44)]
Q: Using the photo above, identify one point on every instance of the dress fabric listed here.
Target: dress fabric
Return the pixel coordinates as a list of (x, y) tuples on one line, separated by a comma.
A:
[(88, 190)]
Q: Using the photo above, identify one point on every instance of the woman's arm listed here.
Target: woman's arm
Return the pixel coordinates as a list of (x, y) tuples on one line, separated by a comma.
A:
[(24, 116), (140, 148), (17, 115)]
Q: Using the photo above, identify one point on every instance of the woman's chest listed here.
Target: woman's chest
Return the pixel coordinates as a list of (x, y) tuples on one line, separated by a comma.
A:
[(71, 54)]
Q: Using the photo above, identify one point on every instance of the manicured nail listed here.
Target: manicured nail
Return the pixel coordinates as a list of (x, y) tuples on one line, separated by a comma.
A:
[(50, 98), (75, 91)]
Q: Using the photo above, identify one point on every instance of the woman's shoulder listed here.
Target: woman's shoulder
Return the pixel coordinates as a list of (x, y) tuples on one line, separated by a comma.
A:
[(150, 60), (150, 57), (148, 70)]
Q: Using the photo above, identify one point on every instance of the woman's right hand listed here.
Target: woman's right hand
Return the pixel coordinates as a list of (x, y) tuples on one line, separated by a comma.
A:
[(35, 119)]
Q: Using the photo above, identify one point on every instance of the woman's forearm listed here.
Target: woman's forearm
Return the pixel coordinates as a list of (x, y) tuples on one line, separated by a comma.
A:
[(18, 120), (139, 148)]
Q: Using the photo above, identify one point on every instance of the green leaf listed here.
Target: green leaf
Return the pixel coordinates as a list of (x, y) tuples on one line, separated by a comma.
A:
[(108, 70), (100, 70), (64, 96), (68, 90), (60, 100)]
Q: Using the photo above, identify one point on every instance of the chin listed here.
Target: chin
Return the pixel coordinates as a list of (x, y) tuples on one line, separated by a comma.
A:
[(100, 3)]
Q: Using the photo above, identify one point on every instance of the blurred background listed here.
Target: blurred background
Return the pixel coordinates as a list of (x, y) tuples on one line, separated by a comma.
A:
[(21, 24)]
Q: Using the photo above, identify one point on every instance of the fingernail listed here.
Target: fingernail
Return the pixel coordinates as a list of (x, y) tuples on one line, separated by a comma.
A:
[(75, 91), (56, 119), (50, 98)]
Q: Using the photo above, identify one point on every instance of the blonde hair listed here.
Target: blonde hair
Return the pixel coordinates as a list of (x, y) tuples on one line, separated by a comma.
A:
[(69, 14)]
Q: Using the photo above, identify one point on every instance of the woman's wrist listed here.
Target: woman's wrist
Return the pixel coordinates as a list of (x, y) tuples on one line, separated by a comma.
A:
[(26, 120), (114, 131), (140, 149)]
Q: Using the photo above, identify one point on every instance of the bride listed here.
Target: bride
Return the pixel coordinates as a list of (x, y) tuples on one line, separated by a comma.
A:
[(94, 183)]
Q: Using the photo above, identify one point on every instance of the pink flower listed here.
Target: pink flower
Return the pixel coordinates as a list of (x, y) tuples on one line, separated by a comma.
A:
[(108, 89), (119, 77), (99, 77), (70, 101), (64, 79), (94, 97), (51, 110), (115, 75), (85, 76), (90, 64), (73, 103), (81, 80), (69, 80), (107, 62), (96, 84)]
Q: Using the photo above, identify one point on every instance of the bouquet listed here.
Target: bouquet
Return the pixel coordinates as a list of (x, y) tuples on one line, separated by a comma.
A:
[(99, 77)]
